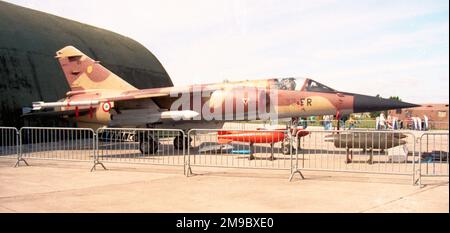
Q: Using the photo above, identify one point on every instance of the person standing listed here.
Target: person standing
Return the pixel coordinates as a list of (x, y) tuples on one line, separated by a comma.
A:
[(414, 125), (326, 119), (425, 121), (330, 122), (394, 123), (351, 123), (382, 121), (419, 123), (389, 122)]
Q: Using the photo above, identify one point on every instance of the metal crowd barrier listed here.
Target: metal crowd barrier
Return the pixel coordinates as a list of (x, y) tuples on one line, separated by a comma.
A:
[(140, 145), (433, 154), (383, 152), (9, 142), (360, 151), (72, 144), (250, 149)]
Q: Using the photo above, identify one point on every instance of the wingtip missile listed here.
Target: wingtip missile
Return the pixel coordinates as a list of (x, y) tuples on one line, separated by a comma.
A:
[(184, 114), (39, 105)]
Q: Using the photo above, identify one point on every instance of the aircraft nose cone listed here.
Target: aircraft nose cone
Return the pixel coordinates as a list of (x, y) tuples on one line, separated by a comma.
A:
[(364, 103)]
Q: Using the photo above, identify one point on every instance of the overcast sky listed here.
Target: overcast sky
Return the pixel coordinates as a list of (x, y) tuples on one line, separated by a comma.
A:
[(369, 47)]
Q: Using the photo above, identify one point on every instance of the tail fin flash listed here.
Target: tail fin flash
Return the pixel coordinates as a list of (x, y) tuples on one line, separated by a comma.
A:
[(83, 73)]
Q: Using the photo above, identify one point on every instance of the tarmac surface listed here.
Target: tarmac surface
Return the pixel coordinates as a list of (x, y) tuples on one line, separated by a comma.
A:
[(61, 186)]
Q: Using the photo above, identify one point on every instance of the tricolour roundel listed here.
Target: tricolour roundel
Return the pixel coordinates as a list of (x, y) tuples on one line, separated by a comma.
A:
[(106, 107)]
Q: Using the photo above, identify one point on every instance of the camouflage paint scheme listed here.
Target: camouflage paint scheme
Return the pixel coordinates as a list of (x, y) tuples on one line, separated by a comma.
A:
[(89, 80)]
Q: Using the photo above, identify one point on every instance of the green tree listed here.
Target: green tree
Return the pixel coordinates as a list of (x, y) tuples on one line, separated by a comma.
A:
[(395, 98)]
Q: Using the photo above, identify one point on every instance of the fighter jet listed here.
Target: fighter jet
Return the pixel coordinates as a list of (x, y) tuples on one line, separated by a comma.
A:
[(100, 98)]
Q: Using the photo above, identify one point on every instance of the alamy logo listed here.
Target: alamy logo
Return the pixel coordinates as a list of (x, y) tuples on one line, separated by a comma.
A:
[(237, 103)]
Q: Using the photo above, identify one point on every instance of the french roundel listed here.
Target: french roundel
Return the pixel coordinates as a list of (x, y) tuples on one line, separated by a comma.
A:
[(106, 107)]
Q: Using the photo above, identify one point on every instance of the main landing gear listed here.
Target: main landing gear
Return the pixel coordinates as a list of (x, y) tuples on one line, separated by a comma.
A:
[(148, 144), (180, 141)]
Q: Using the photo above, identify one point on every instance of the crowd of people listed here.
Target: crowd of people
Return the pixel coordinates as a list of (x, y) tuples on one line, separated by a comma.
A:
[(328, 122), (381, 122), (414, 123)]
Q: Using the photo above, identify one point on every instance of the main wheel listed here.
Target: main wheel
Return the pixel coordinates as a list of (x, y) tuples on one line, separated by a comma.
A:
[(148, 145), (178, 142)]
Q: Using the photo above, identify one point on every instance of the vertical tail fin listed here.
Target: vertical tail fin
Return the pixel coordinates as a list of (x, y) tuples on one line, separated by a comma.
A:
[(83, 73)]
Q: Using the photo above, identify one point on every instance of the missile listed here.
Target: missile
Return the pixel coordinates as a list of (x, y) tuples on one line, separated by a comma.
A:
[(177, 115), (43, 105)]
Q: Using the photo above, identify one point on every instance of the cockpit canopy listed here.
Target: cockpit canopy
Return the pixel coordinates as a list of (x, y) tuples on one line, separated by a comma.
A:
[(311, 85), (302, 84)]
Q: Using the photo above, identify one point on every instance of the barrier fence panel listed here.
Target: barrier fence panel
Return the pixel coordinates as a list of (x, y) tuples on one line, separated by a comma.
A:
[(374, 151), (433, 155), (135, 145), (9, 142), (74, 144), (262, 149), (388, 152)]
